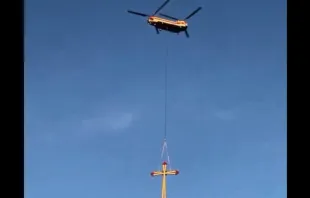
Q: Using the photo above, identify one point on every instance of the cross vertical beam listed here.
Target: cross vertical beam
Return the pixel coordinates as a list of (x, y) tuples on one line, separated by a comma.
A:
[(164, 172)]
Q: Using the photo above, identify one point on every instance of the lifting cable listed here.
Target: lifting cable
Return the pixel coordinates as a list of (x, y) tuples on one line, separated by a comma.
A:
[(166, 78), (165, 146)]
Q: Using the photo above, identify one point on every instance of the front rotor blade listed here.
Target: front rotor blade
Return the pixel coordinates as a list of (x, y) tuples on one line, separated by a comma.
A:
[(170, 17), (193, 13), (157, 31), (161, 7), (137, 13), (186, 33)]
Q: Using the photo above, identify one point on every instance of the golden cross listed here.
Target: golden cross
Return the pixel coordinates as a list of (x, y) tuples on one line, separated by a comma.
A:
[(164, 172)]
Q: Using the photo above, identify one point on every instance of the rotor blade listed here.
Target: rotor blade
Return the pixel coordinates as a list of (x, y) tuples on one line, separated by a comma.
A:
[(157, 30), (186, 33), (193, 13), (137, 13), (170, 17), (161, 7)]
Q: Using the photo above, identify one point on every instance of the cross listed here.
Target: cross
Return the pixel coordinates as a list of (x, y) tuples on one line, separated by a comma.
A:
[(164, 172)]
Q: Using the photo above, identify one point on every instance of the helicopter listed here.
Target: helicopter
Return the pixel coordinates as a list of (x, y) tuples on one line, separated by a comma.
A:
[(175, 25)]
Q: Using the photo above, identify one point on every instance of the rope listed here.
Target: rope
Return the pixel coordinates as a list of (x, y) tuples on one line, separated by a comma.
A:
[(166, 77), (165, 146)]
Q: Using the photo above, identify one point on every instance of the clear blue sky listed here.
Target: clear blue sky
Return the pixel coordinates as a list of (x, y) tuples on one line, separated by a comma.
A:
[(94, 99)]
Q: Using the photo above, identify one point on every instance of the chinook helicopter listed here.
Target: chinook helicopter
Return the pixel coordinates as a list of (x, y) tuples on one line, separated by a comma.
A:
[(172, 24)]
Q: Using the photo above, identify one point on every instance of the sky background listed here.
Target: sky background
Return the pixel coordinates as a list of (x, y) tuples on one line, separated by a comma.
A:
[(94, 99)]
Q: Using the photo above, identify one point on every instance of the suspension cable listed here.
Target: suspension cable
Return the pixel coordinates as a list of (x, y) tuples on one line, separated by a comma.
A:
[(165, 146), (166, 77)]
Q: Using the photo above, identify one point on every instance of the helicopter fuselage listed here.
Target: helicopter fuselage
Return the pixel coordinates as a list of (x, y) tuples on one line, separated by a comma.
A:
[(167, 25)]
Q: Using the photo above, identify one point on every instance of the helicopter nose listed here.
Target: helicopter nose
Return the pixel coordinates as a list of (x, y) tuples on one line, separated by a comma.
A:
[(150, 19)]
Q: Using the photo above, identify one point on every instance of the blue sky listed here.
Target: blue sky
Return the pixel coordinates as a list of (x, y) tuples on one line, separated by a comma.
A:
[(94, 99)]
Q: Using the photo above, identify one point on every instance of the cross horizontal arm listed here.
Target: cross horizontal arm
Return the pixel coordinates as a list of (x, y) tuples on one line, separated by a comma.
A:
[(171, 172), (156, 173)]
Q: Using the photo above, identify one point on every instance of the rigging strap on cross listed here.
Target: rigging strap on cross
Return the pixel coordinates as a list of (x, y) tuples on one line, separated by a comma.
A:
[(165, 151)]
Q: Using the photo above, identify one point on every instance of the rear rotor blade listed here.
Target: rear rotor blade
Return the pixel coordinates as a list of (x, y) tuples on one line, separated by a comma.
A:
[(161, 7), (193, 13), (137, 13), (186, 33), (170, 17)]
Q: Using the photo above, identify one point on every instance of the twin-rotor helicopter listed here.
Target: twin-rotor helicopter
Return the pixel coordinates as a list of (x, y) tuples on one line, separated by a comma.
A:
[(172, 24)]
